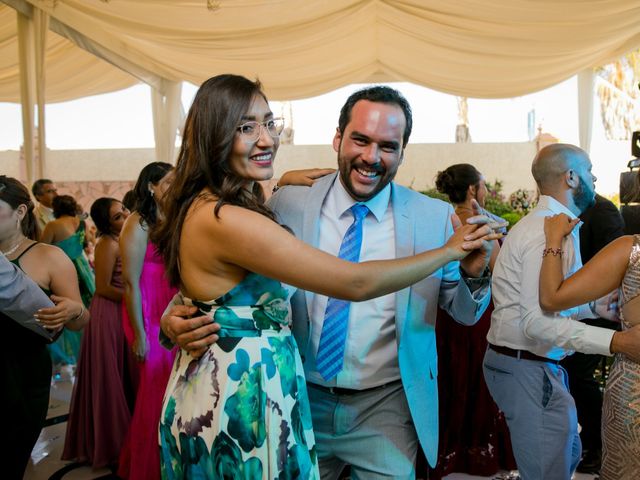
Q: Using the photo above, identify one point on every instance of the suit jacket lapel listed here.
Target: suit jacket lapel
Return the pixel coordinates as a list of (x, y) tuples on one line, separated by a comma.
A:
[(404, 225), (311, 218)]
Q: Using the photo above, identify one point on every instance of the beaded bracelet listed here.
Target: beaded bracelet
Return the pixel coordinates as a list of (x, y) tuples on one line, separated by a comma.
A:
[(556, 252)]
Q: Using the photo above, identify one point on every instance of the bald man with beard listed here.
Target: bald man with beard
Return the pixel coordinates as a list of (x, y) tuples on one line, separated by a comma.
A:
[(526, 344)]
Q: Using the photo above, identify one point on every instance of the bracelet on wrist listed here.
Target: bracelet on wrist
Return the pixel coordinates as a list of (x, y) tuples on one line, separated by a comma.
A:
[(556, 252), (82, 310)]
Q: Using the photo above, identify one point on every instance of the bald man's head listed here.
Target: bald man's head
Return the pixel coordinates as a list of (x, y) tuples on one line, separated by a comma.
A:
[(564, 172), (553, 161)]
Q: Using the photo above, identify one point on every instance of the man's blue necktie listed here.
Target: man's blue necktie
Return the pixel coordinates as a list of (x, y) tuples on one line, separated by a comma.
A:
[(336, 318)]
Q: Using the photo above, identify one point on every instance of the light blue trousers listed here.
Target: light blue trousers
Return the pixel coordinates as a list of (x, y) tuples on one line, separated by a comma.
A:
[(540, 413), (371, 431)]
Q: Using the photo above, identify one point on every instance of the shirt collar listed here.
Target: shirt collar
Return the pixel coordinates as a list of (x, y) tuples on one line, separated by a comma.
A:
[(555, 206), (377, 205)]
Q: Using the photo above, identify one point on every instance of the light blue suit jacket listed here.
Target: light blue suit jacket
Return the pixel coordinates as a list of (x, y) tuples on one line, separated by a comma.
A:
[(421, 223)]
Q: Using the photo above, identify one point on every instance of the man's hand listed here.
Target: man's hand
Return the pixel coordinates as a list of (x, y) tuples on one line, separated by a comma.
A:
[(627, 342), (475, 263), (194, 335), (63, 312)]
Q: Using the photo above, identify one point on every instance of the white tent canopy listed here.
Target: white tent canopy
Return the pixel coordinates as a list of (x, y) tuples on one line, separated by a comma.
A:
[(475, 48)]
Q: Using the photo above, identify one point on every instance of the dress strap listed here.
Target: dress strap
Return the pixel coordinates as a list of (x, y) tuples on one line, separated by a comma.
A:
[(16, 260)]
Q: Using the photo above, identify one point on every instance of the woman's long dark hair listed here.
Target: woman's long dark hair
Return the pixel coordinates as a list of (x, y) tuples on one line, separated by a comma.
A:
[(203, 161), (145, 205), (15, 194)]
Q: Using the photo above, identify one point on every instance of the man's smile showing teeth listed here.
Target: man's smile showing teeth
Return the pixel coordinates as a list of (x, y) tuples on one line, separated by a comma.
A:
[(367, 173)]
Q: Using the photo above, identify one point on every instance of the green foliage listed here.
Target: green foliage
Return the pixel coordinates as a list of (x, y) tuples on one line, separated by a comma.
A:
[(434, 193), (495, 201)]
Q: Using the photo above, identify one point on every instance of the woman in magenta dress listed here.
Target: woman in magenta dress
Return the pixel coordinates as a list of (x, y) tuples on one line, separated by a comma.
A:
[(146, 295), (104, 392)]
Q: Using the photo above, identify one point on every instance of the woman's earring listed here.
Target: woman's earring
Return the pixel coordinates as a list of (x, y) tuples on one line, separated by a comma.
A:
[(151, 192)]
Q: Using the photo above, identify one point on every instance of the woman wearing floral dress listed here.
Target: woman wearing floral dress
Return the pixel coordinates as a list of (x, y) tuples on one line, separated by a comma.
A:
[(241, 409)]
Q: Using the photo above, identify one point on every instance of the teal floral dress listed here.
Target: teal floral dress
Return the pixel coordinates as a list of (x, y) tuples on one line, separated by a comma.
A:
[(241, 411)]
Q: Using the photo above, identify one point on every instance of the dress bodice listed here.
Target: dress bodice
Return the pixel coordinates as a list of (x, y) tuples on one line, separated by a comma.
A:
[(116, 275), (73, 246), (257, 302), (630, 287)]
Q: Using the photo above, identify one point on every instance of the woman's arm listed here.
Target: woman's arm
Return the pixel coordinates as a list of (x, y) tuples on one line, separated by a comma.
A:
[(133, 246), (63, 283), (255, 243), (600, 276), (105, 256)]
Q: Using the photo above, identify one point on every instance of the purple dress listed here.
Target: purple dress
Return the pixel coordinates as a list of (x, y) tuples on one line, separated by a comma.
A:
[(104, 392), (139, 458)]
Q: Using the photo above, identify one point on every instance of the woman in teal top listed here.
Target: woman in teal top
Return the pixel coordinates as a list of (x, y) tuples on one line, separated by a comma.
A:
[(67, 232)]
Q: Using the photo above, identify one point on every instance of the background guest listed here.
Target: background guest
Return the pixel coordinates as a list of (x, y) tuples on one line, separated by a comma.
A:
[(104, 393), (25, 365), (67, 232), (616, 266), (146, 294), (474, 437), (44, 190)]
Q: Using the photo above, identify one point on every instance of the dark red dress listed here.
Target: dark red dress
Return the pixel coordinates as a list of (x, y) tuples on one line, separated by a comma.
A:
[(474, 437)]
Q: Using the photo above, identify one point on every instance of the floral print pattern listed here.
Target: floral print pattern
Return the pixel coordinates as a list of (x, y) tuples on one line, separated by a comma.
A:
[(241, 410)]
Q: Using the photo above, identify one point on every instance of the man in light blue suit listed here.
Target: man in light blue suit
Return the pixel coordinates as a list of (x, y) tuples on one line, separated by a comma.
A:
[(376, 399), (384, 401)]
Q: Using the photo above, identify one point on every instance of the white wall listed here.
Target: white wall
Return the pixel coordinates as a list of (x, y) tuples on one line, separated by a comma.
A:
[(508, 162)]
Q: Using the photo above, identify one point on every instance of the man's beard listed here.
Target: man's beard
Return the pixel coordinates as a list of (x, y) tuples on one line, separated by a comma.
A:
[(584, 197)]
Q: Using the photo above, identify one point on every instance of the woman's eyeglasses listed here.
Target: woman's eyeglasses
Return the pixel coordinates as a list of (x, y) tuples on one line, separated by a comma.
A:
[(250, 131)]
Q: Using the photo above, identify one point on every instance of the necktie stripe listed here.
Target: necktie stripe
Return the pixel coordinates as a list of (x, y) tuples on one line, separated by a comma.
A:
[(330, 357)]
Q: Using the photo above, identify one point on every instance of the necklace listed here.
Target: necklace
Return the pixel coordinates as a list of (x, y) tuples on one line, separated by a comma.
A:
[(14, 248), (465, 208)]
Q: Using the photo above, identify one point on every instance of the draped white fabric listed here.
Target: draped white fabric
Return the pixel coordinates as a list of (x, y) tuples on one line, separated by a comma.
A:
[(585, 108), (474, 48)]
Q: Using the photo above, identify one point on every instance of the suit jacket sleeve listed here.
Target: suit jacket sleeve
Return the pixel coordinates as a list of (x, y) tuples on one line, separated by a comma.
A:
[(455, 297), (21, 298), (603, 225)]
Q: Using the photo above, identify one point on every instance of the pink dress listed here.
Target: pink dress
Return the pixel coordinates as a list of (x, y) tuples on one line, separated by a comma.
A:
[(139, 458), (106, 382)]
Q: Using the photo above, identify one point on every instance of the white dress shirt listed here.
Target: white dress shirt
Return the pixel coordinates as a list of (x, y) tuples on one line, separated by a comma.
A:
[(371, 351), (518, 321), (43, 215)]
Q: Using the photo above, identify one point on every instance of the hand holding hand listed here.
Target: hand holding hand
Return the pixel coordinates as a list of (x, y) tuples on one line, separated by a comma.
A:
[(482, 239), (194, 335), (556, 227)]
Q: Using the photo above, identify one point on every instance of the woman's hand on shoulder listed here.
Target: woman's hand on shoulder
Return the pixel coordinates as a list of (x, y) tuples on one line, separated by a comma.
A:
[(556, 227), (305, 177)]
